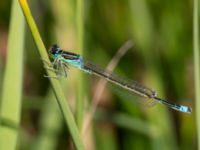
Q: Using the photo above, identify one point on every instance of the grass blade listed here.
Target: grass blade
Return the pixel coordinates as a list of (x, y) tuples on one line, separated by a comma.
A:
[(196, 66), (12, 84), (64, 107), (80, 32), (50, 125)]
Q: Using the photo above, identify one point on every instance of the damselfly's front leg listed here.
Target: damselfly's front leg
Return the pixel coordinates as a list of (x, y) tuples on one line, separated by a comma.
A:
[(56, 66), (50, 66)]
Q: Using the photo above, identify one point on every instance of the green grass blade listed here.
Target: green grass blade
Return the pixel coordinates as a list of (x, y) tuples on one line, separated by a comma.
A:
[(50, 125), (64, 107), (80, 33), (143, 31), (196, 66), (12, 84)]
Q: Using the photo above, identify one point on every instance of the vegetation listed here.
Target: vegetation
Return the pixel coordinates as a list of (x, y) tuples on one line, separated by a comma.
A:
[(81, 111)]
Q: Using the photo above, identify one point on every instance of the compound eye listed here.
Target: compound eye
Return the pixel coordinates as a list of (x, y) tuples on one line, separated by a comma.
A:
[(54, 49)]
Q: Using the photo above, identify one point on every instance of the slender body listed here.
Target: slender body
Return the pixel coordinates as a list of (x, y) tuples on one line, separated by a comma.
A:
[(63, 58)]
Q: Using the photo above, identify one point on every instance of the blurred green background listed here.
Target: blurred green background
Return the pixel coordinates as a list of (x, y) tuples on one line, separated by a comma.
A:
[(161, 58)]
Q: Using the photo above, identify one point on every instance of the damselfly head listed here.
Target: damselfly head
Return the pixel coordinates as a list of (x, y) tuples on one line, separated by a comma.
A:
[(54, 51)]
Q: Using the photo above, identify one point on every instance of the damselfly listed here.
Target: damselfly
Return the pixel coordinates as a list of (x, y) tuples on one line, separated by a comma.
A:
[(63, 58)]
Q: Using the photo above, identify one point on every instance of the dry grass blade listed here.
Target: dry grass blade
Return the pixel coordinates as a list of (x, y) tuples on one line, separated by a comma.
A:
[(101, 85)]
